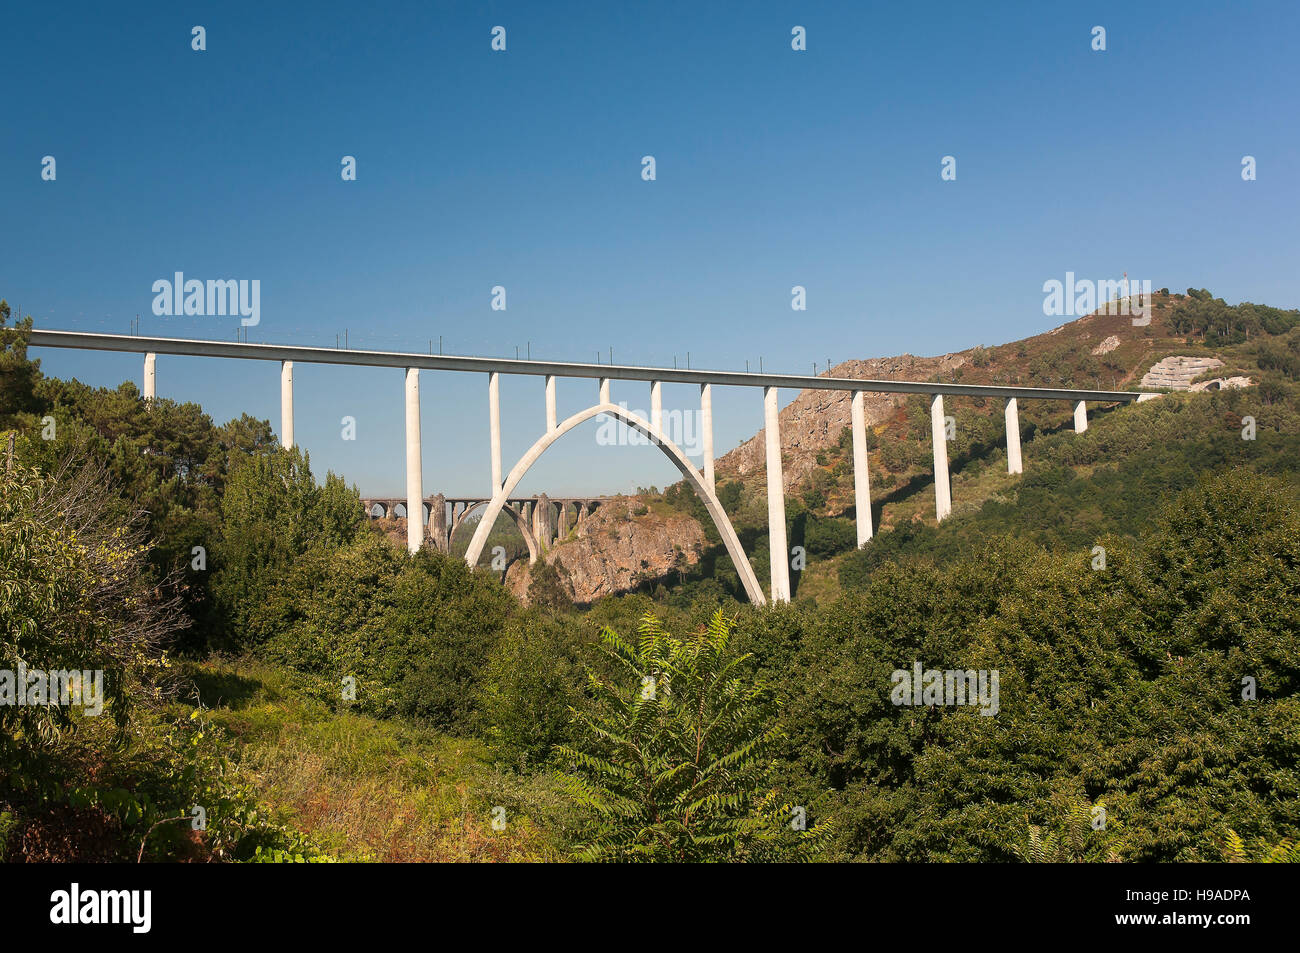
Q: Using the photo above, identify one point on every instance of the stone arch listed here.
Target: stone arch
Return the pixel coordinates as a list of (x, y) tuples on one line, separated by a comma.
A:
[(514, 514), (670, 449)]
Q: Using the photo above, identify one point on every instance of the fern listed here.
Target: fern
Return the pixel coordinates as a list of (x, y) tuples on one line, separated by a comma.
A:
[(1073, 840), (1236, 851), (673, 755)]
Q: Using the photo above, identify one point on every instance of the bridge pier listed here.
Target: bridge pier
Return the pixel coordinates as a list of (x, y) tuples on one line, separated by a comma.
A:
[(777, 546), (414, 465), (1080, 417), (150, 376), (1012, 415), (286, 404), (861, 481), (706, 431), (604, 390), (544, 522), (656, 407), (939, 437), (438, 523), (550, 403), (494, 426)]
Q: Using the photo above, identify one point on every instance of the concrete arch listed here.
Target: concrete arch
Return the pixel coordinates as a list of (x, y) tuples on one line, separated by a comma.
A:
[(670, 449), (514, 514)]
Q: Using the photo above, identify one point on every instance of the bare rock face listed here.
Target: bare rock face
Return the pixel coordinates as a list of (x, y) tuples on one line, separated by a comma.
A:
[(815, 419), (613, 551), (1106, 346), (1177, 373), (1222, 383)]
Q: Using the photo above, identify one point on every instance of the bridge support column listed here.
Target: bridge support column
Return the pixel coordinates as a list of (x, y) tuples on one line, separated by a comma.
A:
[(861, 480), (656, 406), (150, 376), (544, 523), (414, 474), (939, 437), (706, 432), (562, 530), (604, 390), (286, 404), (438, 523), (1080, 417), (550, 403), (494, 427), (1012, 414), (779, 551)]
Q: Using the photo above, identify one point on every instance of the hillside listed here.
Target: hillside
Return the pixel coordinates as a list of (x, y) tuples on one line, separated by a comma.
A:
[(322, 694), (1252, 344)]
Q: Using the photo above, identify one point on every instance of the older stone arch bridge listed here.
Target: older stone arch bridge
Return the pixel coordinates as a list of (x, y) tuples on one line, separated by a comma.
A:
[(503, 484), (541, 519)]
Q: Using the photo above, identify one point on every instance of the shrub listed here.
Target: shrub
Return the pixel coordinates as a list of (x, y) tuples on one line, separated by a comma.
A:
[(532, 677), (673, 756)]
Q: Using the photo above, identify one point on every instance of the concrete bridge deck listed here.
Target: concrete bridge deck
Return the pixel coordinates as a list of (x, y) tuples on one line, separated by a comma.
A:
[(534, 519)]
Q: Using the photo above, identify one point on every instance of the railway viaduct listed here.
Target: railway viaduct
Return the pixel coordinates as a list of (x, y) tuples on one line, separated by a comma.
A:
[(502, 483), (541, 519)]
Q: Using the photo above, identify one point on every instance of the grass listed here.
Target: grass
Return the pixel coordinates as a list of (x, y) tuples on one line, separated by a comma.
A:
[(376, 790)]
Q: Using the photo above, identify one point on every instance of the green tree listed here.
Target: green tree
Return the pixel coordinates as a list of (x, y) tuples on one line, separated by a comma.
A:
[(533, 676), (73, 596), (673, 757), (272, 513), (549, 585), (18, 376)]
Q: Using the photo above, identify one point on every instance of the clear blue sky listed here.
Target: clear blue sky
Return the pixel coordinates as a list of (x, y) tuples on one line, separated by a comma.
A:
[(775, 168)]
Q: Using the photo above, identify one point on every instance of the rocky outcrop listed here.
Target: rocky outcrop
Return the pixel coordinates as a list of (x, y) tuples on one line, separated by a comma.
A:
[(1177, 373), (1106, 346), (1222, 383), (614, 551), (815, 419)]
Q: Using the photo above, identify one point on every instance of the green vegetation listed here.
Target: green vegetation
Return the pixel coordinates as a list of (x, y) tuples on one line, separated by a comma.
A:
[(1120, 686), (272, 658), (674, 755)]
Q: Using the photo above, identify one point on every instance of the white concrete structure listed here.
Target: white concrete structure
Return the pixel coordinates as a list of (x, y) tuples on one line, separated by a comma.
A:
[(706, 432), (777, 546), (286, 404), (494, 426), (939, 437), (1080, 417), (703, 483), (861, 482), (550, 402), (674, 453), (414, 476), (1012, 414)]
